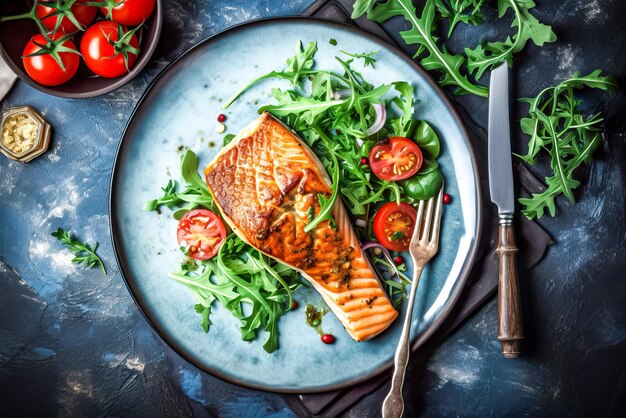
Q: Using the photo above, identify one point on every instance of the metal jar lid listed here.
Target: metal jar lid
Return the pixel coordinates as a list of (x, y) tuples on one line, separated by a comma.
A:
[(42, 139)]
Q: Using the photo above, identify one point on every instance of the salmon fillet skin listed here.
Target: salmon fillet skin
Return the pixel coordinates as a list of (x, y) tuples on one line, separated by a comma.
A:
[(264, 183)]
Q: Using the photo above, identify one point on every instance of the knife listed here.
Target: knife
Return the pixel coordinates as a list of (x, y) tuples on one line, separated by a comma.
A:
[(510, 327)]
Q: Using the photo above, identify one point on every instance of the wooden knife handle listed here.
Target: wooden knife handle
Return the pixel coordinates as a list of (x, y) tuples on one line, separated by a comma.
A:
[(510, 325)]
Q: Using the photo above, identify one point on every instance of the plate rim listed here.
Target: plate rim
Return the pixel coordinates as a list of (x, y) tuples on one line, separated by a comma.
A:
[(463, 274)]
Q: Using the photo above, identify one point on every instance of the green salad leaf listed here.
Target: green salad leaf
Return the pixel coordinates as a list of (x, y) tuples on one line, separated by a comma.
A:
[(558, 128), (195, 192), (466, 11), (326, 204), (528, 28), (368, 59), (430, 54), (253, 287)]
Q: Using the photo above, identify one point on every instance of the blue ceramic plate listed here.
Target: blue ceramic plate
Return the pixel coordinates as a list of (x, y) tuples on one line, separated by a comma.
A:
[(180, 109)]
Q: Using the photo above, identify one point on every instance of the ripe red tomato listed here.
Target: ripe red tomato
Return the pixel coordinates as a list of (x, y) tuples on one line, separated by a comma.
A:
[(44, 69), (130, 12), (394, 224), (398, 159), (202, 232), (83, 14), (101, 56)]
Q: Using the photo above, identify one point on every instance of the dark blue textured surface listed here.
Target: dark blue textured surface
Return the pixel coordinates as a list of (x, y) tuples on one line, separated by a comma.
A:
[(73, 343)]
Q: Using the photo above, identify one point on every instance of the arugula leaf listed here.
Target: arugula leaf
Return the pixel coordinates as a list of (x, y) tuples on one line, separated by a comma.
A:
[(83, 253), (454, 11), (170, 198), (291, 103), (195, 193), (395, 288), (368, 60), (557, 126), (297, 67), (242, 275), (431, 51), (327, 204), (302, 60), (490, 54), (205, 312), (421, 33)]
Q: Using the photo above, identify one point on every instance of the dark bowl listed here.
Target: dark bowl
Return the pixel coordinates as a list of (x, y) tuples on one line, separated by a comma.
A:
[(15, 34)]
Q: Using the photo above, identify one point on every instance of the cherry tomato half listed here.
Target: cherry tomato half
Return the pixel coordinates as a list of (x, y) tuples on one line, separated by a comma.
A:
[(398, 159), (83, 14), (100, 56), (131, 12), (44, 69), (394, 224), (202, 232)]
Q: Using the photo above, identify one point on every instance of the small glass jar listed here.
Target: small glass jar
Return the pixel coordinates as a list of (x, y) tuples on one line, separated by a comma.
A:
[(25, 134)]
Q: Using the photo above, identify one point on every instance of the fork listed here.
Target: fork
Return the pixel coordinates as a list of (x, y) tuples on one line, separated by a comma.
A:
[(424, 245)]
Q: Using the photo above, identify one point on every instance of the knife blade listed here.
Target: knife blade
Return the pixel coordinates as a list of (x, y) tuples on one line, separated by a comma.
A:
[(510, 327), (499, 148)]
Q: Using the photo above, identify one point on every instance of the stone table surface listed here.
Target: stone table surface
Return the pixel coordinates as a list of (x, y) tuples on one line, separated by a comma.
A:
[(72, 342)]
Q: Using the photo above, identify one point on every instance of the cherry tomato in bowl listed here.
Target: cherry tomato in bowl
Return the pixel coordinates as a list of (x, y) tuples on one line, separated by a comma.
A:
[(394, 224), (397, 159), (202, 232), (44, 68), (103, 51), (84, 16), (129, 12)]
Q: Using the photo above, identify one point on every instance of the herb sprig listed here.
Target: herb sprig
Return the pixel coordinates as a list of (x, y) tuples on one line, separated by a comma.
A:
[(83, 253), (557, 127)]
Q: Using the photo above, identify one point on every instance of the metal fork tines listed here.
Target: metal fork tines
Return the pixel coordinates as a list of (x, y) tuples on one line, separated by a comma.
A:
[(424, 245)]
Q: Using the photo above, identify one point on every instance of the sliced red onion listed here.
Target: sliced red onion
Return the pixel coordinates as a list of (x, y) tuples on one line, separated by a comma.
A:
[(379, 122), (386, 254)]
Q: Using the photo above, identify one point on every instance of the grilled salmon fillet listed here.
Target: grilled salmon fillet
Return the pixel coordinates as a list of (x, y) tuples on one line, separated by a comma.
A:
[(264, 183)]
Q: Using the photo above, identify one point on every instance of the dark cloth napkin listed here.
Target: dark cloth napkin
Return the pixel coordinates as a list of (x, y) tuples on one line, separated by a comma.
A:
[(533, 242)]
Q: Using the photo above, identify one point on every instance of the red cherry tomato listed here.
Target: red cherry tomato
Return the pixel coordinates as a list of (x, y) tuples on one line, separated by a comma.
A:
[(44, 69), (83, 14), (202, 232), (394, 224), (130, 12), (100, 56), (398, 159)]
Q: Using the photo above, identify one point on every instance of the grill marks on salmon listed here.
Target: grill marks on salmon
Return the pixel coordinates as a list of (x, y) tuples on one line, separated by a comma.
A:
[(265, 183)]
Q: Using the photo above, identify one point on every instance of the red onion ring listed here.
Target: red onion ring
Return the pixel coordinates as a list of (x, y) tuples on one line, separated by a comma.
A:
[(379, 122), (371, 244)]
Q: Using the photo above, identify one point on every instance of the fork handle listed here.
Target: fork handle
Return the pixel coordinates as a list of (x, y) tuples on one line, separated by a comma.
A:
[(393, 405), (510, 326)]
